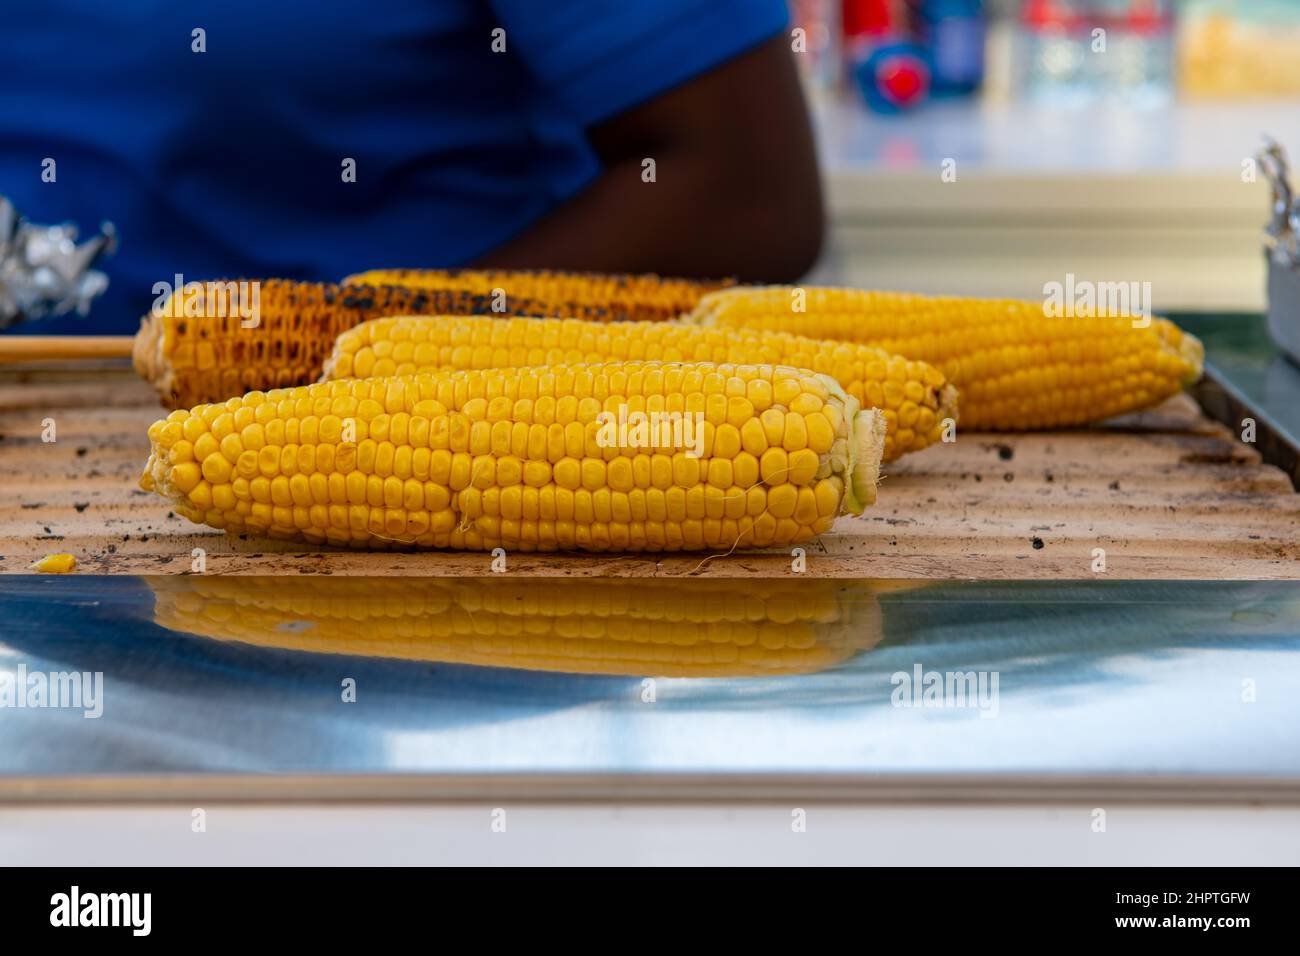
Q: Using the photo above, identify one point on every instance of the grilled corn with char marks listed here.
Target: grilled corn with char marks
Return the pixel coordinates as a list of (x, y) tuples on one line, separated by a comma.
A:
[(620, 297), (195, 347)]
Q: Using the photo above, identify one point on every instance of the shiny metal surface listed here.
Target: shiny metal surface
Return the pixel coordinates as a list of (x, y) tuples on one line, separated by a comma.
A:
[(1248, 376), (1107, 679)]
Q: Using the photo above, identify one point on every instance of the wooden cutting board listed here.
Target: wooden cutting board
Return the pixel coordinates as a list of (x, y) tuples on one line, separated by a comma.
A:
[(1165, 494)]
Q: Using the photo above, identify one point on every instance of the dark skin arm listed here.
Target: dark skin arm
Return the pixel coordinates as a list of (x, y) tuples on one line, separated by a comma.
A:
[(737, 191)]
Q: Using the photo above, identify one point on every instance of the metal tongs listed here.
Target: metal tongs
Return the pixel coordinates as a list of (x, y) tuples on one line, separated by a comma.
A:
[(44, 271), (1282, 234), (1282, 247)]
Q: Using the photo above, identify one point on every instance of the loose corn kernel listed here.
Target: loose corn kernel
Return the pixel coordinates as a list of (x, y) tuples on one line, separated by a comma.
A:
[(55, 564)]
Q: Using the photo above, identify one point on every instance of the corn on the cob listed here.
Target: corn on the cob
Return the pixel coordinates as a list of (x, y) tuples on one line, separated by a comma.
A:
[(914, 397), (1016, 366), (195, 348), (533, 459), (644, 628), (621, 297)]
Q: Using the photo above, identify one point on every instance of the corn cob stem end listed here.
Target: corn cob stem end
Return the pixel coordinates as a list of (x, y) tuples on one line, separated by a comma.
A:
[(866, 450), (948, 403), (148, 357), (1193, 352)]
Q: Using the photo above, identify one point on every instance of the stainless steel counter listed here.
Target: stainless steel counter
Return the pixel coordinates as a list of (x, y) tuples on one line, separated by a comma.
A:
[(1188, 688)]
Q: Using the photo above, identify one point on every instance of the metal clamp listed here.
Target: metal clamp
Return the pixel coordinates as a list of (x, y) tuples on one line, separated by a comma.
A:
[(44, 271)]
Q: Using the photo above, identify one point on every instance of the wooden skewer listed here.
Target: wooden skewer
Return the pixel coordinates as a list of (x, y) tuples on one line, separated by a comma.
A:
[(33, 348)]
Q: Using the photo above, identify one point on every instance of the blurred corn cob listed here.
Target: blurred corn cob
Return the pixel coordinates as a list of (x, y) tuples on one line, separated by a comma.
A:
[(527, 460), (194, 347), (1016, 367), (621, 297), (914, 397), (661, 628)]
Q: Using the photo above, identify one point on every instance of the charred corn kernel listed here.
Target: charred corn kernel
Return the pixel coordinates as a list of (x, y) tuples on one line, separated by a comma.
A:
[(216, 339), (899, 387), (1017, 367), (617, 297), (55, 564), (473, 496), (705, 627)]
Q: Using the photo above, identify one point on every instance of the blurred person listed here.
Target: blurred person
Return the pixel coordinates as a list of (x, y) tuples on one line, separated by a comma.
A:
[(217, 137)]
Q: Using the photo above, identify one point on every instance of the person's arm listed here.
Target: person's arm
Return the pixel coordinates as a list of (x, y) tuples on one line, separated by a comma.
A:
[(736, 190)]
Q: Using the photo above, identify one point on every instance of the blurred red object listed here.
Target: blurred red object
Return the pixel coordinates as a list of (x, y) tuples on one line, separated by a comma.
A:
[(874, 17), (903, 79), (1148, 16), (1050, 15)]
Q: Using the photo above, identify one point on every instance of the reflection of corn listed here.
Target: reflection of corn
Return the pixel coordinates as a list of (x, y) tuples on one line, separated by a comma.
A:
[(699, 628), (528, 460), (618, 297), (203, 353), (1016, 367), (913, 396)]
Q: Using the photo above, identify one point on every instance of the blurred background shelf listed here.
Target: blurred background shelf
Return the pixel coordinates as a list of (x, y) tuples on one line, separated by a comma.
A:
[(1105, 192), (1110, 139)]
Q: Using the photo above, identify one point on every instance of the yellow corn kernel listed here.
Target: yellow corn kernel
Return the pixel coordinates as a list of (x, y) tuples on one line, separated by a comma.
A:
[(55, 564)]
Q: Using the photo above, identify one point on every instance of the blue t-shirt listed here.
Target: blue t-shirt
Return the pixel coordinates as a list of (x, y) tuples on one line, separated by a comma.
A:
[(230, 162)]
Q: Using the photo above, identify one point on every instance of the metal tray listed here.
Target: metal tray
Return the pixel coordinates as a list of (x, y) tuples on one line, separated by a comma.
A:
[(1134, 690)]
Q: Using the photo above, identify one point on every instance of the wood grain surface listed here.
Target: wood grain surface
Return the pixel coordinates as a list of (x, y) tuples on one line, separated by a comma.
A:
[(1168, 494)]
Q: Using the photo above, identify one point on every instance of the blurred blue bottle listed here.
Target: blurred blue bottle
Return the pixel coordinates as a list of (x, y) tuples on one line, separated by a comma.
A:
[(953, 33), (895, 77), (891, 71)]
